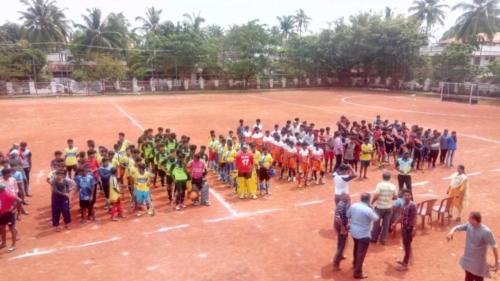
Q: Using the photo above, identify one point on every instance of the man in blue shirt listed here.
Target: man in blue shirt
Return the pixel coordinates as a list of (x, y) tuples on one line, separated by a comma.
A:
[(104, 175), (361, 216), (443, 145), (86, 187)]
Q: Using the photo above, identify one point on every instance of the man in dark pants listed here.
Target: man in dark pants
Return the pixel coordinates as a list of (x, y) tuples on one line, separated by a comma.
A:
[(443, 146), (385, 193), (340, 224), (404, 167), (408, 220), (361, 216), (60, 200)]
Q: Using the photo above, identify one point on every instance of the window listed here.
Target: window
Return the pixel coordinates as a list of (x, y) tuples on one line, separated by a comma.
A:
[(477, 60)]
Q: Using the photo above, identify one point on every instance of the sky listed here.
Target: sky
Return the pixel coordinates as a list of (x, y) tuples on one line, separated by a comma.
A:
[(228, 12)]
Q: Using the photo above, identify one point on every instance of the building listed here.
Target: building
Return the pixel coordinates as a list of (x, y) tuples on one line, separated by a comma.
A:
[(485, 54), (60, 64)]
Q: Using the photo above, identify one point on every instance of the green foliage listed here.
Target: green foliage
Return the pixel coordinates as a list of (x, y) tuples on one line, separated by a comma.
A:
[(100, 34), (44, 21), (493, 74), (480, 16), (101, 67), (454, 64), (246, 50), (20, 61)]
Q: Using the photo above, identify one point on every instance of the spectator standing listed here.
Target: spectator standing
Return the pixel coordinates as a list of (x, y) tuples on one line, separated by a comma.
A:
[(443, 146), (385, 193), (361, 216), (478, 239), (340, 224), (408, 220), (404, 167)]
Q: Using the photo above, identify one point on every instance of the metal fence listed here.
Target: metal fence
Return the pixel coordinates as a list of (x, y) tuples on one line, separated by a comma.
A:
[(72, 87)]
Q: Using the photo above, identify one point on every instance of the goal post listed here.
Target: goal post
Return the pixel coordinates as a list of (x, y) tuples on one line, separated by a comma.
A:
[(459, 92)]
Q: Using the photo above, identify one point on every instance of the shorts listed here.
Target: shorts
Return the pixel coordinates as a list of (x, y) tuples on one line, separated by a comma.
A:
[(85, 204), (211, 156), (244, 175), (365, 163), (329, 155), (197, 184), (8, 219), (264, 174), (141, 197)]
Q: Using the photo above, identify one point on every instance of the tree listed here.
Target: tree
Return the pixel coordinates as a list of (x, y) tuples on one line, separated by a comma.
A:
[(152, 22), (302, 20), (245, 50), (286, 25), (44, 22), (98, 34), (193, 21), (18, 61), (480, 16), (102, 68), (454, 64), (430, 12), (493, 75), (10, 33)]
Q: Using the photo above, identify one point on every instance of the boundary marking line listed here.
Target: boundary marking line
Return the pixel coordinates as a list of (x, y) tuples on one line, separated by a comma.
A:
[(309, 203)]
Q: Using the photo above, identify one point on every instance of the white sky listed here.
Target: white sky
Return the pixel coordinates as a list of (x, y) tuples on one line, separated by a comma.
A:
[(228, 12)]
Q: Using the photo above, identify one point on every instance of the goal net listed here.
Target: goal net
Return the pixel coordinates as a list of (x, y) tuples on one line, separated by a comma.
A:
[(459, 92)]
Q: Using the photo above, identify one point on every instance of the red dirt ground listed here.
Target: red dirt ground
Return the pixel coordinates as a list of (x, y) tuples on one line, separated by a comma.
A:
[(283, 242)]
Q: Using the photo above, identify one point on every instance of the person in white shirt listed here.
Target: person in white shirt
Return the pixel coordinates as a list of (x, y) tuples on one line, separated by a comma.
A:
[(341, 179), (257, 125), (385, 193)]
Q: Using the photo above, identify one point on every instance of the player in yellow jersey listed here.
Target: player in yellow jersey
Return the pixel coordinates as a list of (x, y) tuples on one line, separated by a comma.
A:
[(213, 143), (266, 162), (253, 181), (142, 186), (221, 157), (230, 166), (70, 156), (123, 144)]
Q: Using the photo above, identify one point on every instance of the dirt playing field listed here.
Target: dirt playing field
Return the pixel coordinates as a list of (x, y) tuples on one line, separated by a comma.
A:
[(287, 236)]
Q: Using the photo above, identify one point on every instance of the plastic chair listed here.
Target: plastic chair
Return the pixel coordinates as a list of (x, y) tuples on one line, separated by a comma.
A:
[(425, 210), (443, 209)]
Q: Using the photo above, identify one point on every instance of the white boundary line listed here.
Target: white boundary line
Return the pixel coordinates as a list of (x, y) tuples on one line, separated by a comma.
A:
[(166, 229), (309, 203), (243, 215), (213, 192), (33, 253), (137, 124), (93, 243), (422, 183)]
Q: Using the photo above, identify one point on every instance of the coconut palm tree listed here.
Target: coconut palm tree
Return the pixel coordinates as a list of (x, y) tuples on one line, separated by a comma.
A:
[(302, 21), (98, 33), (430, 12), (480, 16), (43, 21), (194, 21), (286, 26), (152, 22)]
